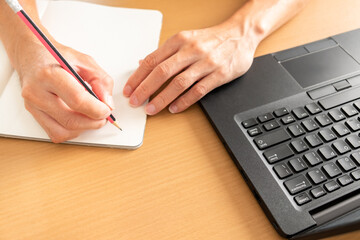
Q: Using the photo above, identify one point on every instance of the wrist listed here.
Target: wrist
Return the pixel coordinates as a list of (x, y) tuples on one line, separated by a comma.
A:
[(251, 22), (23, 42)]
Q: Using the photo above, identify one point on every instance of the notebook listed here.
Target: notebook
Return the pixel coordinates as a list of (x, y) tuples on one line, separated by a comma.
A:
[(117, 38)]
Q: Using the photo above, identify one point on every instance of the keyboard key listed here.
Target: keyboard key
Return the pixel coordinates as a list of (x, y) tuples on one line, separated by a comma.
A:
[(331, 186), (282, 170), (341, 85), (355, 175), (277, 154), (297, 164), (271, 139), (265, 117), (331, 170), (346, 164), (316, 176), (300, 113), (341, 147), (356, 157), (340, 99), (340, 130), (249, 123), (309, 125), (357, 105), (312, 158), (353, 141), (327, 135), (297, 184), (317, 192), (271, 125), (345, 180), (299, 146), (353, 124), (313, 140), (281, 112), (336, 115), (313, 108), (302, 198), (323, 120), (349, 110), (327, 152), (296, 130), (254, 131), (288, 119)]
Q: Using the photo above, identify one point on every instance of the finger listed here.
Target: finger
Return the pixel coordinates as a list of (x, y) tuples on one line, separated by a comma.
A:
[(66, 117), (54, 130), (75, 96), (151, 61), (160, 75), (178, 85), (198, 91), (101, 83)]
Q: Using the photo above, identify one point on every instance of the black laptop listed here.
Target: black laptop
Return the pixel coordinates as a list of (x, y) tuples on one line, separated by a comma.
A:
[(292, 125)]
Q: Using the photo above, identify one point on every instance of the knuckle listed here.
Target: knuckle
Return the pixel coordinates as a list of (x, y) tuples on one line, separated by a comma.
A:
[(197, 47), (180, 83), (183, 103), (163, 70), (143, 89), (56, 137), (182, 36), (86, 58), (161, 100), (100, 124), (211, 61), (200, 90), (26, 92), (71, 124), (150, 62), (78, 102), (222, 72)]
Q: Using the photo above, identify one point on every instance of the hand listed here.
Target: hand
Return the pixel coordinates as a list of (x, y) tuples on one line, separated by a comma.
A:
[(196, 62), (54, 97)]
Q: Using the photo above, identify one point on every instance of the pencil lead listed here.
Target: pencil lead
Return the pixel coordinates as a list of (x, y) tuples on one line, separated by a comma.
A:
[(115, 124)]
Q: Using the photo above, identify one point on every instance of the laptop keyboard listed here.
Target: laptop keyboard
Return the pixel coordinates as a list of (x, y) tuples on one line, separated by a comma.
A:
[(314, 149)]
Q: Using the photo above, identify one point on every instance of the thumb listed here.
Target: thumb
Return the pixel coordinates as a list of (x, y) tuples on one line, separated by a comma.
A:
[(103, 93), (101, 83)]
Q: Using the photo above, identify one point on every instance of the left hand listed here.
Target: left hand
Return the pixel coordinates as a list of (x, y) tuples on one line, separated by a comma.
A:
[(196, 62)]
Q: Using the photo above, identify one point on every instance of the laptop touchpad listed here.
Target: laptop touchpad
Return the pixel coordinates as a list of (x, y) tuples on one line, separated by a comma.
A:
[(321, 66)]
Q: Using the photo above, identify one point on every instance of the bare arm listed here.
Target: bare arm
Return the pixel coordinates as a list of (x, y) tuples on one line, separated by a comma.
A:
[(54, 98), (201, 60)]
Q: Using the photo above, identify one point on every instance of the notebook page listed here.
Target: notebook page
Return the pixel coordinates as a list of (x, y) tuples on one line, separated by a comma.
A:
[(117, 38)]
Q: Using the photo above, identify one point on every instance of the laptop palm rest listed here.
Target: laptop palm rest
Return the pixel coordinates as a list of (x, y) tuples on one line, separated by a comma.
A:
[(314, 68), (346, 223)]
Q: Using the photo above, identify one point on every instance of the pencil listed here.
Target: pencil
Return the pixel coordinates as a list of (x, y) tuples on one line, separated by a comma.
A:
[(16, 7)]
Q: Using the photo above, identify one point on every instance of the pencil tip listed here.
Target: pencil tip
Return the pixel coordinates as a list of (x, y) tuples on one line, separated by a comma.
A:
[(115, 124)]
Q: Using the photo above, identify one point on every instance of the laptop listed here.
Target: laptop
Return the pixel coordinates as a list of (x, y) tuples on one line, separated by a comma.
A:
[(291, 124)]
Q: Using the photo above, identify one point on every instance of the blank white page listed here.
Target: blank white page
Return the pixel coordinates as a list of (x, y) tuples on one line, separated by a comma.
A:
[(117, 38)]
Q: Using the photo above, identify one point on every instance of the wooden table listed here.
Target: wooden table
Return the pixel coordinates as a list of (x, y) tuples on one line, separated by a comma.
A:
[(181, 184)]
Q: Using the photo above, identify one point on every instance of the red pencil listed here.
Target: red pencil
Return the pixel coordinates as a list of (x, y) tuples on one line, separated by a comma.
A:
[(14, 4)]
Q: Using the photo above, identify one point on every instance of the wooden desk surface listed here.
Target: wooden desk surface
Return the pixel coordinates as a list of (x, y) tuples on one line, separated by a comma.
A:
[(181, 184)]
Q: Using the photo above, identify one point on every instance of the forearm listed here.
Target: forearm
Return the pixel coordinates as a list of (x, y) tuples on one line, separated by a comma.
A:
[(259, 18), (13, 31)]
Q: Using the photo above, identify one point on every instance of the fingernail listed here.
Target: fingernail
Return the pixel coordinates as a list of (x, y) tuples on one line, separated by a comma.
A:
[(127, 91), (110, 102), (150, 109), (173, 109), (134, 101)]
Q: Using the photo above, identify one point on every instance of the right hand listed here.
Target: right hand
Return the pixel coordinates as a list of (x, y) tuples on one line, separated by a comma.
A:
[(54, 97)]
